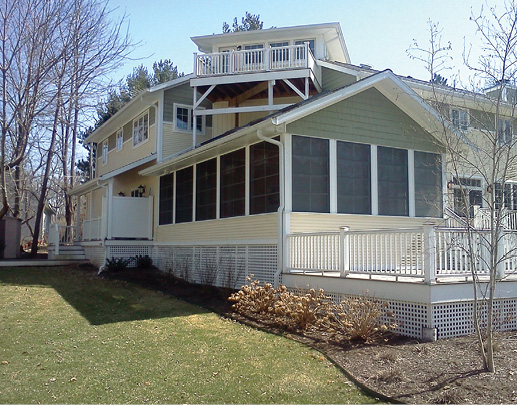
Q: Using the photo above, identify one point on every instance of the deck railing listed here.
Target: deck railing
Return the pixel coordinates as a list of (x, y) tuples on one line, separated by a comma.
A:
[(482, 218), (253, 60), (61, 235), (425, 252), (92, 229)]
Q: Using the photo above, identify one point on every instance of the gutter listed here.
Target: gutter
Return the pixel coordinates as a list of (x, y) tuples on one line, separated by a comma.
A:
[(281, 207)]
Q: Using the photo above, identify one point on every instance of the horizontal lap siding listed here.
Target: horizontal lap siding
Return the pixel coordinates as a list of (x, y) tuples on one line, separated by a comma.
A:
[(332, 79), (258, 227), (128, 154), (368, 117), (300, 222), (174, 142)]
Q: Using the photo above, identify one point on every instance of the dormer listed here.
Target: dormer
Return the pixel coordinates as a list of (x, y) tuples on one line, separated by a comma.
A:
[(252, 73)]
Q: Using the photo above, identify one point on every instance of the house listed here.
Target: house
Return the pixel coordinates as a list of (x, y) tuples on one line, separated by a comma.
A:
[(277, 157)]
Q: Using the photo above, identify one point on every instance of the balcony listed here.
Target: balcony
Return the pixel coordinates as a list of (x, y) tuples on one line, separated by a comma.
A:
[(254, 61)]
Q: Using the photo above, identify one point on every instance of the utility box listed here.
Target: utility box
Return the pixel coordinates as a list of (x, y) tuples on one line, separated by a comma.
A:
[(10, 236)]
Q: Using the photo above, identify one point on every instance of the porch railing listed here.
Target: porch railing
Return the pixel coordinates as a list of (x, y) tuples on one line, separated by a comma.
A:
[(92, 229), (425, 252), (61, 235), (482, 218), (253, 60)]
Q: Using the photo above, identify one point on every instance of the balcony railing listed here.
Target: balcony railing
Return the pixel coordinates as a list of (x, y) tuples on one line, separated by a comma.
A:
[(254, 60), (426, 252)]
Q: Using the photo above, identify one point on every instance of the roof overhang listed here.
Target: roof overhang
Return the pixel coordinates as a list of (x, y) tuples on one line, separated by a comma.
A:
[(133, 108), (331, 32)]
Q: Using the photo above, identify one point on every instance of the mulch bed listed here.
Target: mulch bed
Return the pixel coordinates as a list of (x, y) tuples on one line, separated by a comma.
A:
[(402, 370)]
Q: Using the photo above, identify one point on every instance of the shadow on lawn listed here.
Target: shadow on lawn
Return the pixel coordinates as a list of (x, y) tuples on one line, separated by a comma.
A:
[(99, 300)]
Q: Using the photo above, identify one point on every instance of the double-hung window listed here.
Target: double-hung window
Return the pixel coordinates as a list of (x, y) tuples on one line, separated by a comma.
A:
[(504, 131), (105, 152), (460, 119), (184, 119), (141, 129), (120, 139)]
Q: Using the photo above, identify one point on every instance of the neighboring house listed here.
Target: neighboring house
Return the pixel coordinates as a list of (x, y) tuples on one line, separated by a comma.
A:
[(277, 157)]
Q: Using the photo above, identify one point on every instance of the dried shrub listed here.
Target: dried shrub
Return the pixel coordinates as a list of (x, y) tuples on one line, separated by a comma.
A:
[(357, 319), (254, 298), (300, 311)]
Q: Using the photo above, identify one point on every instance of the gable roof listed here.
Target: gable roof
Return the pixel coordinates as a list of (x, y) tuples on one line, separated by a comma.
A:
[(390, 85)]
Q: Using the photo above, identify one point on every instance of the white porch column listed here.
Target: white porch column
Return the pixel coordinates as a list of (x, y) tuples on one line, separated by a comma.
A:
[(411, 182), (429, 254), (375, 180), (77, 236)]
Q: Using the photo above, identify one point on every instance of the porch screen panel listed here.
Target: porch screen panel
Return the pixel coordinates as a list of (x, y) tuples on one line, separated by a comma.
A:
[(233, 184), (310, 166), (206, 190), (264, 178), (428, 185), (353, 178), (184, 194), (166, 199), (392, 168)]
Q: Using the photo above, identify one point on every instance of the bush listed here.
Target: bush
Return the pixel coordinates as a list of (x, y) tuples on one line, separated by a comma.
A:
[(253, 298), (353, 319), (144, 262), (356, 319), (300, 311), (116, 264)]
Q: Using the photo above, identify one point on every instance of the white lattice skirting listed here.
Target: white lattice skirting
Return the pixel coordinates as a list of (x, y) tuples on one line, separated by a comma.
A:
[(223, 266), (451, 319)]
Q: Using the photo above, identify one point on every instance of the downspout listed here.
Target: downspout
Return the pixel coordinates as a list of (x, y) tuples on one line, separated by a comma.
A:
[(281, 208)]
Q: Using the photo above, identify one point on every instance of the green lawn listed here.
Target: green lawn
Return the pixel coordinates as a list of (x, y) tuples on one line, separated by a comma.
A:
[(67, 336)]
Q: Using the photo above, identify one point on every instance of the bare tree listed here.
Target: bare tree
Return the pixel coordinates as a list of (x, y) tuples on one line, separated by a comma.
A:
[(476, 131)]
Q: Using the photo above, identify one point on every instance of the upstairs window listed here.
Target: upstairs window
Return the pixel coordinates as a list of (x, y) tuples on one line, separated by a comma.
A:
[(105, 152), (184, 119), (504, 131), (460, 119), (141, 129), (120, 139)]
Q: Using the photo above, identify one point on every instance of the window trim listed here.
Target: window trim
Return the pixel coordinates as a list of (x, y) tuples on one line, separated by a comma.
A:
[(189, 129), (105, 151), (119, 136), (146, 139), (461, 126), (501, 134)]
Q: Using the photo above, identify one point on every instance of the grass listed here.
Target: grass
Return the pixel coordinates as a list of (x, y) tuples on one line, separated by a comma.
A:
[(68, 336)]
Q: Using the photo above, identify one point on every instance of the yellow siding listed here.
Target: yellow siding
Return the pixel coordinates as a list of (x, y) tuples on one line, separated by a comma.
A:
[(245, 118), (263, 226), (222, 122), (302, 222), (97, 202), (174, 142), (130, 180), (128, 154)]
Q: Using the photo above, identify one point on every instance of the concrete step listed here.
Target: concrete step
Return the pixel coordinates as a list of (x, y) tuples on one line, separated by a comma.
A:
[(67, 252)]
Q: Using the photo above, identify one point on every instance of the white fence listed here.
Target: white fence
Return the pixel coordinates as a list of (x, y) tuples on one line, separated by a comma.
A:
[(61, 235), (92, 229), (427, 253), (253, 60)]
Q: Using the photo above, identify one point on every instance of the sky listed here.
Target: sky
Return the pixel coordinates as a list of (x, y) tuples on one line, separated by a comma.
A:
[(376, 32)]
